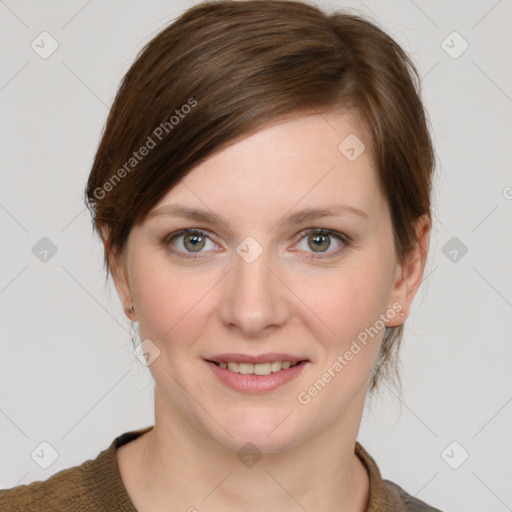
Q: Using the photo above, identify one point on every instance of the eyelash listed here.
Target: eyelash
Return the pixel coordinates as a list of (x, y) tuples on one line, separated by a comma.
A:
[(316, 231)]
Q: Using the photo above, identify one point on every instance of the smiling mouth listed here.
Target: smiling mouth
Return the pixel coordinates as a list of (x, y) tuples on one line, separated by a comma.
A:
[(258, 368)]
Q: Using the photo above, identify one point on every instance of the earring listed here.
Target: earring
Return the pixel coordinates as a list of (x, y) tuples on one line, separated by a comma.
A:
[(130, 309)]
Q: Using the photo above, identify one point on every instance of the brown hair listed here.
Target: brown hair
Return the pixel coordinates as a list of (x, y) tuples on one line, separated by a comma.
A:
[(225, 69)]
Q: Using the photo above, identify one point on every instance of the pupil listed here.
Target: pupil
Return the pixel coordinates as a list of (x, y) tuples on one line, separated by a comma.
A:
[(194, 240), (318, 240)]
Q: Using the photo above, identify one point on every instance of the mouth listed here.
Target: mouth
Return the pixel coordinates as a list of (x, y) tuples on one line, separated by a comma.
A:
[(256, 374), (255, 369)]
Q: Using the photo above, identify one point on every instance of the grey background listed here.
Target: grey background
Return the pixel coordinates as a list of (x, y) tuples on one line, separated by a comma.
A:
[(68, 375)]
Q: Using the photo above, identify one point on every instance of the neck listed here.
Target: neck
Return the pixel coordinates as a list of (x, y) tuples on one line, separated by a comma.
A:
[(181, 466)]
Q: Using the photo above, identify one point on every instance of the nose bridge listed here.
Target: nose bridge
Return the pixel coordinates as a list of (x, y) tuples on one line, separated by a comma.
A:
[(253, 300)]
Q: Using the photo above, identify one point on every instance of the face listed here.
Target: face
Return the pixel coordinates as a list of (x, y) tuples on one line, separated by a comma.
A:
[(251, 283)]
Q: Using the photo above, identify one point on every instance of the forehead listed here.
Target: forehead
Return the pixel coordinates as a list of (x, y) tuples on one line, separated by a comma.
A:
[(307, 162)]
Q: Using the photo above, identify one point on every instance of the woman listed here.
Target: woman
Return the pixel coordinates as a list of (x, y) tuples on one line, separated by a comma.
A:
[(262, 191)]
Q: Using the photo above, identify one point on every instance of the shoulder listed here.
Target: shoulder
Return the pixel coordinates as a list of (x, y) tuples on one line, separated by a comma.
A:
[(411, 503), (93, 486), (386, 495), (62, 491)]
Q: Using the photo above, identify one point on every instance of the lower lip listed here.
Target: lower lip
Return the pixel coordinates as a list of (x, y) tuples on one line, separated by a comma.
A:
[(256, 384)]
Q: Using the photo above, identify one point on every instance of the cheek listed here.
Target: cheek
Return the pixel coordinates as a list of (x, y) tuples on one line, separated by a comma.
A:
[(348, 299), (347, 307), (171, 303)]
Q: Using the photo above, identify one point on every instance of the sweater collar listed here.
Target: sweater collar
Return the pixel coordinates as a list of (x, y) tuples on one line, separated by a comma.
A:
[(382, 498)]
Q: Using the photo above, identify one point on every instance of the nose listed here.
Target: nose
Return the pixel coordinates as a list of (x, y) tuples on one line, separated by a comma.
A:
[(254, 299)]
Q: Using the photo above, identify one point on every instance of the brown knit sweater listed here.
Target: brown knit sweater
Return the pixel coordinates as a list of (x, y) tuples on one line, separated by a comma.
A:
[(96, 486)]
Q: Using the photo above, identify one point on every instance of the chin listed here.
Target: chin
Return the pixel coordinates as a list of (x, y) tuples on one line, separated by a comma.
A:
[(270, 430)]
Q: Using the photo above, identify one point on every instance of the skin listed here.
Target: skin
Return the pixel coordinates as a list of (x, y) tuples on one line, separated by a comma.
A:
[(281, 302)]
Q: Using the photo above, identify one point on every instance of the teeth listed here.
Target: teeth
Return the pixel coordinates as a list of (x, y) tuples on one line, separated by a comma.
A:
[(233, 366), (262, 369), (275, 366), (245, 368), (256, 369)]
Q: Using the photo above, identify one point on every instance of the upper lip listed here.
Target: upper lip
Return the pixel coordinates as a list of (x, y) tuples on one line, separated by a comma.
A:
[(261, 358)]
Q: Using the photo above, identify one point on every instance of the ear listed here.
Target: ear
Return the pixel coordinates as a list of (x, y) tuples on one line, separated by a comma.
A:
[(119, 272), (408, 276)]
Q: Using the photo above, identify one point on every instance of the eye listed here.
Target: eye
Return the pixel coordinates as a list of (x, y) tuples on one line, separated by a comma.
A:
[(192, 241), (189, 243), (319, 240)]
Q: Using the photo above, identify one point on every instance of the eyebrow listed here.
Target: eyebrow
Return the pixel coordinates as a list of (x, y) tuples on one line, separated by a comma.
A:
[(307, 214)]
